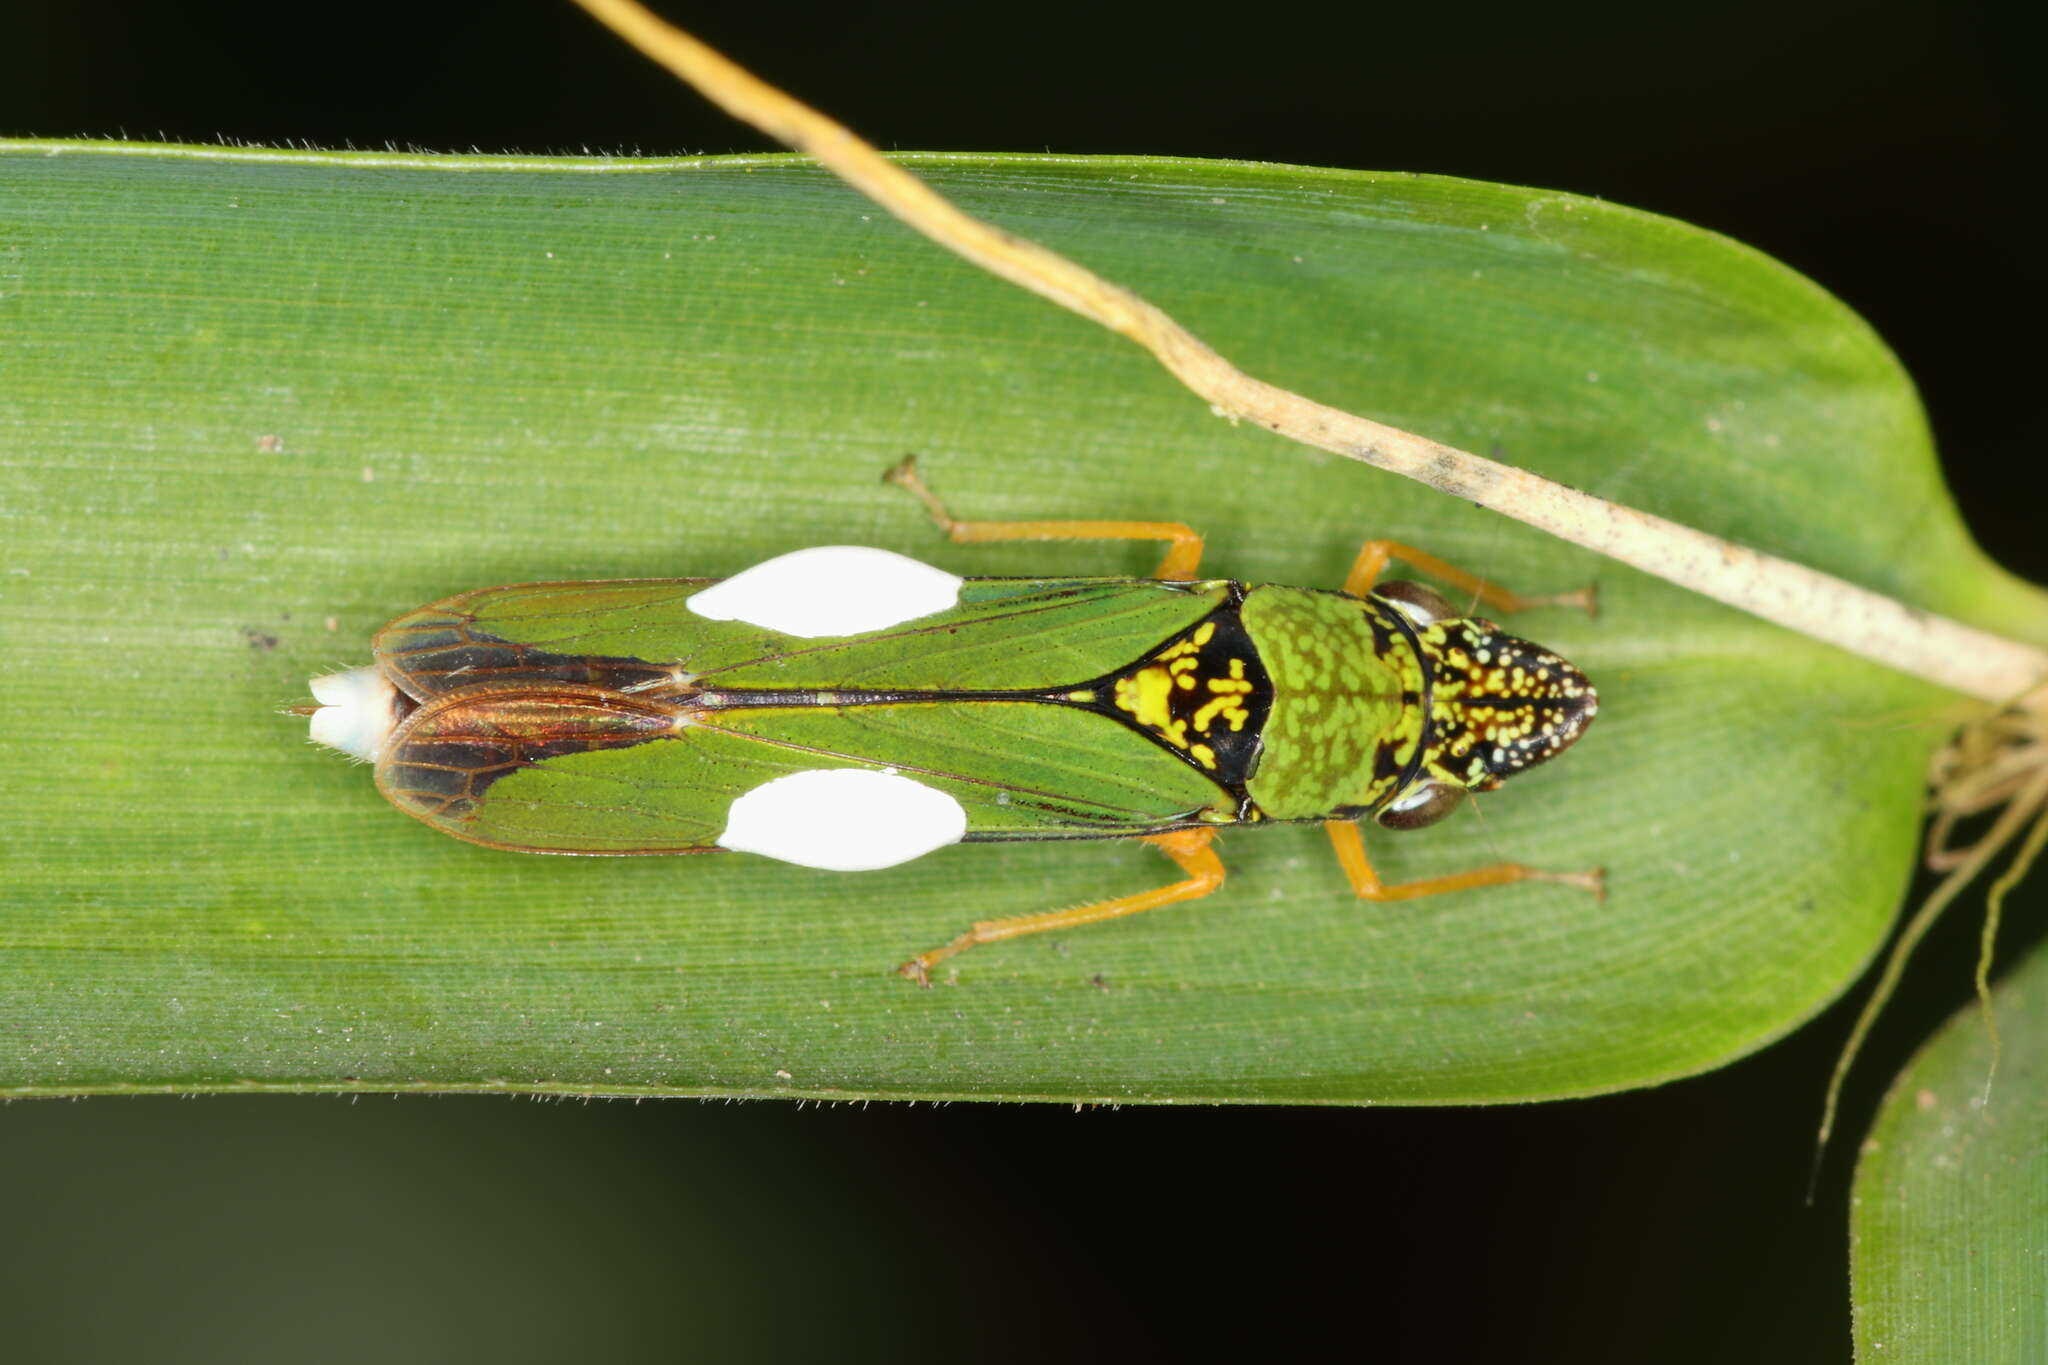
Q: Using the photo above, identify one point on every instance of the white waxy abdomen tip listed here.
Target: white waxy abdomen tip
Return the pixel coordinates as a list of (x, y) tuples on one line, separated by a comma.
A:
[(358, 710), (843, 820), (830, 590)]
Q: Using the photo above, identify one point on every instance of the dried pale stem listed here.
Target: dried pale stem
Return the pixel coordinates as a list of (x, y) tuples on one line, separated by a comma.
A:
[(1943, 651)]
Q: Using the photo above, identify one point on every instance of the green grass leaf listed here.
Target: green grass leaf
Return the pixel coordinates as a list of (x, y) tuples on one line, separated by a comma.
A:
[(1949, 1228), (256, 403)]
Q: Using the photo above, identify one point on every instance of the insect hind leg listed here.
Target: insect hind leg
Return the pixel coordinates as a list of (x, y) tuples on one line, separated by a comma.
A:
[(1187, 847), (1183, 554)]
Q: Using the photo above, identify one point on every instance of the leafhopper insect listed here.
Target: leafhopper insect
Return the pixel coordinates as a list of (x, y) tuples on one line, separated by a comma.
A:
[(850, 708)]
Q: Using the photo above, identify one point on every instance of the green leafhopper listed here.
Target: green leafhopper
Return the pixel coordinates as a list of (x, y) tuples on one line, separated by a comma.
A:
[(849, 708)]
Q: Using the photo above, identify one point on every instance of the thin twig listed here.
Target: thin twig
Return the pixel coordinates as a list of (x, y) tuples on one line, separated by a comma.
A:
[(1936, 648)]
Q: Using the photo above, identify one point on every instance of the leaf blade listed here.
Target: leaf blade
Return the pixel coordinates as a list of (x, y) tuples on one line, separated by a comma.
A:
[(1949, 1213), (261, 392)]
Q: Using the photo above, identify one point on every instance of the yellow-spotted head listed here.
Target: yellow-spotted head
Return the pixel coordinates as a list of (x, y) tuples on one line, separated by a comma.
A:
[(1496, 704)]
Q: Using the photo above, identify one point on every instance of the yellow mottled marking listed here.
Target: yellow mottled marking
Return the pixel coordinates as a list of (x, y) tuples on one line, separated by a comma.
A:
[(1229, 701), (1144, 694), (1181, 696)]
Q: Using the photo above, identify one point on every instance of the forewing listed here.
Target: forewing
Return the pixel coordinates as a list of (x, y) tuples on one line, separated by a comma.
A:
[(581, 770), (620, 634), (640, 635), (463, 763), (1007, 634), (1022, 770)]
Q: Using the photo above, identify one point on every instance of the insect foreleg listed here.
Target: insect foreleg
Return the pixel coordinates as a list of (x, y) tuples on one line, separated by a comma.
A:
[(1350, 847), (1372, 562)]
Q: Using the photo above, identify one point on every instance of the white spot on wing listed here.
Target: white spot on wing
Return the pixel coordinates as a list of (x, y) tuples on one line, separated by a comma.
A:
[(356, 712), (830, 590), (843, 820)]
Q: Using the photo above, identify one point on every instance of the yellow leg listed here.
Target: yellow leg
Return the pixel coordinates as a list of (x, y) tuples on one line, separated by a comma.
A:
[(1350, 847), (1183, 555), (1187, 847), (1374, 554)]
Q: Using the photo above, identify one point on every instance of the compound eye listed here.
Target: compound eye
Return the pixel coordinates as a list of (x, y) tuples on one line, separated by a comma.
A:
[(1423, 606), (1425, 803)]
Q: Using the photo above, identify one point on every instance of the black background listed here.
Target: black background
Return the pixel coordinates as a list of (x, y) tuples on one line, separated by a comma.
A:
[(1891, 152)]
